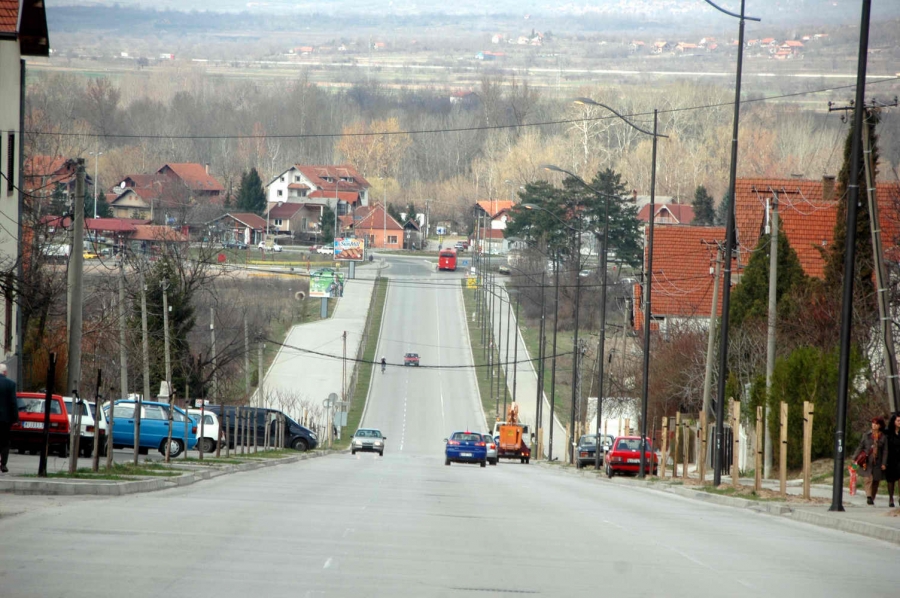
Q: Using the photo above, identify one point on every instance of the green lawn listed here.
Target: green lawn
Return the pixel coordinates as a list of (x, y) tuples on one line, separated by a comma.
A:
[(492, 405), (564, 342)]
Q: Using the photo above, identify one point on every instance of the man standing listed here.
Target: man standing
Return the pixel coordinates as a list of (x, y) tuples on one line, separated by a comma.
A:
[(9, 414)]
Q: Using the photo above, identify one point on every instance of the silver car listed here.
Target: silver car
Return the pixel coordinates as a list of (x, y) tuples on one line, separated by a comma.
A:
[(368, 439), (491, 446)]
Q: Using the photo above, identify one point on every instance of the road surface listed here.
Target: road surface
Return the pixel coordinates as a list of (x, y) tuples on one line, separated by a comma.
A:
[(406, 525)]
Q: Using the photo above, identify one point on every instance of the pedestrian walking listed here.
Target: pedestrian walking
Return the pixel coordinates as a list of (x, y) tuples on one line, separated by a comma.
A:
[(872, 456), (892, 471), (9, 414)]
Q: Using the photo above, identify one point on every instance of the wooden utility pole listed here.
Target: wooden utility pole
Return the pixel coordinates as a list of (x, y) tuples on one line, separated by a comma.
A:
[(711, 340), (145, 349), (773, 318), (701, 462), (123, 365), (165, 295), (782, 454), (736, 443), (76, 284)]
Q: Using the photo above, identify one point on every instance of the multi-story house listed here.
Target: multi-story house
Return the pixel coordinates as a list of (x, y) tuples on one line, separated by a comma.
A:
[(339, 187)]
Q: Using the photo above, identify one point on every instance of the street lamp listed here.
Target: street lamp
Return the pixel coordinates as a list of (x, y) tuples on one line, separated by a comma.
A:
[(718, 455), (97, 155), (648, 274)]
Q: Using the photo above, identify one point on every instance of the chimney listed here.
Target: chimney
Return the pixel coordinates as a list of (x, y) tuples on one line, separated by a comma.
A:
[(207, 168), (634, 195), (828, 187)]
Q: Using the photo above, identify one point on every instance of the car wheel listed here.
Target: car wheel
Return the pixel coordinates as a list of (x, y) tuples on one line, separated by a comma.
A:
[(63, 451), (609, 472), (21, 451), (447, 462), (143, 451), (578, 465), (493, 461), (483, 463), (527, 460), (381, 453), (208, 445), (352, 452), (300, 445), (176, 447)]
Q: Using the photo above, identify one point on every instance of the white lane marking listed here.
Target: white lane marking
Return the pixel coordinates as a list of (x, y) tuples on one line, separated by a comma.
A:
[(327, 563), (405, 397), (347, 532)]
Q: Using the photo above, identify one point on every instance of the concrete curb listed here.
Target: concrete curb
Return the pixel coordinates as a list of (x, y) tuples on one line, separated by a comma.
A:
[(71, 487), (778, 509)]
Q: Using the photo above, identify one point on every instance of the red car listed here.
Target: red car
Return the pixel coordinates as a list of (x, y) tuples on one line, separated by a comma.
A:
[(28, 432), (625, 457)]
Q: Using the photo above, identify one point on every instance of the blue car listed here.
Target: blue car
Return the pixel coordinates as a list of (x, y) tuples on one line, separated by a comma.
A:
[(154, 427), (465, 447)]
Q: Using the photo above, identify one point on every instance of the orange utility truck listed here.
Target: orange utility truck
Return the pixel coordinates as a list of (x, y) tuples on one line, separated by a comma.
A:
[(513, 443)]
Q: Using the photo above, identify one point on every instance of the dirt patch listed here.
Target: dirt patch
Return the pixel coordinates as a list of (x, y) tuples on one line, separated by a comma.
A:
[(745, 492)]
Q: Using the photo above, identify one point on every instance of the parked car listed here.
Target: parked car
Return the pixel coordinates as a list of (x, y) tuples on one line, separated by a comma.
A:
[(465, 447), (28, 433), (586, 450), (491, 446), (411, 359), (505, 270), (367, 439), (86, 442), (296, 436), (275, 247), (234, 244), (325, 249), (208, 431), (625, 456), (154, 427)]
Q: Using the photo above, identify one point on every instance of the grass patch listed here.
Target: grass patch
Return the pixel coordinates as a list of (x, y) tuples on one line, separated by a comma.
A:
[(564, 344), (119, 471), (491, 405), (273, 454), (742, 492), (358, 398)]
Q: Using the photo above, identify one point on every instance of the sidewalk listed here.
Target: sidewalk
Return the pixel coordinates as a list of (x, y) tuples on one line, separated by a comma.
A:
[(308, 367)]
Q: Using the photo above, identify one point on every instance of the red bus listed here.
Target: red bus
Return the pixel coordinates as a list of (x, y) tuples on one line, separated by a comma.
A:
[(447, 259)]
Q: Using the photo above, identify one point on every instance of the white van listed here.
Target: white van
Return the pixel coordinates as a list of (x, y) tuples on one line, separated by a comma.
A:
[(210, 429)]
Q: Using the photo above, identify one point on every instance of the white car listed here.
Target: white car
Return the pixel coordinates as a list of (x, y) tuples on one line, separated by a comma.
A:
[(326, 250), (86, 443), (210, 428), (491, 446), (275, 247)]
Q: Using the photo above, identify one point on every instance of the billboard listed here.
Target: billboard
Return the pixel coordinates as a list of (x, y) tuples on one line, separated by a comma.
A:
[(326, 283), (349, 250)]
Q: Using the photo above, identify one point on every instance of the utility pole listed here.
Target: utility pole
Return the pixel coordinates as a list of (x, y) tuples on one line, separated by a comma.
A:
[(516, 353), (539, 400), (770, 337), (710, 344), (553, 368), (261, 389), (123, 366), (570, 450), (165, 294), (76, 284), (246, 359), (214, 356), (506, 358), (145, 349)]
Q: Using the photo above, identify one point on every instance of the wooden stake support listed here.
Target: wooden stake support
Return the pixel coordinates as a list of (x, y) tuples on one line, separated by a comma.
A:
[(808, 409), (675, 452), (685, 445), (665, 447), (736, 440), (782, 455), (757, 479)]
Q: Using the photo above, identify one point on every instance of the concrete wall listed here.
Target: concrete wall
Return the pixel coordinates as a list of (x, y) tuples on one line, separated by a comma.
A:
[(10, 70)]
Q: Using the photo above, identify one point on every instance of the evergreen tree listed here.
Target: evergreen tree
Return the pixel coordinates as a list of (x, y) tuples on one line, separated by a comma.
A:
[(103, 209), (704, 212), (750, 299), (252, 196), (394, 212), (326, 225), (411, 212), (722, 211)]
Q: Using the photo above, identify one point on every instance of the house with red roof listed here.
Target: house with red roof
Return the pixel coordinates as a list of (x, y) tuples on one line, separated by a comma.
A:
[(23, 34), (335, 186), (668, 213), (196, 179), (242, 227), (377, 227)]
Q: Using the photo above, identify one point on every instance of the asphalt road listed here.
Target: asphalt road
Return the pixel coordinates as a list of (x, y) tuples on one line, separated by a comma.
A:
[(407, 525)]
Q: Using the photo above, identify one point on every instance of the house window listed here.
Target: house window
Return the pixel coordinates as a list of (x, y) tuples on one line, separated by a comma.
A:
[(280, 193), (303, 193), (304, 224), (281, 179), (371, 241), (10, 162), (392, 240), (278, 222), (296, 178)]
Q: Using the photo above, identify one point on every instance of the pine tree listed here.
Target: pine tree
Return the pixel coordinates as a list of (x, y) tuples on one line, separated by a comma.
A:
[(252, 197), (750, 299), (722, 211), (326, 225), (704, 212)]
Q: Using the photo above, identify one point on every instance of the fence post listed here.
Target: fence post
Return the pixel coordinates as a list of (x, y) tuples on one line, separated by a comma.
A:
[(736, 440), (782, 454), (703, 441), (808, 409), (757, 481), (665, 447)]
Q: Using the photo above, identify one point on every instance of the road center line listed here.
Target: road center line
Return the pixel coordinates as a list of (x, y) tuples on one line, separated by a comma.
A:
[(327, 563)]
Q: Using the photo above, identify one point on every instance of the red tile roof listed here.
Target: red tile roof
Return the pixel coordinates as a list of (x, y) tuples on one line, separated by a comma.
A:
[(113, 225), (676, 213), (9, 15), (194, 176), (247, 219), (493, 207), (375, 219), (348, 196), (285, 210), (151, 232), (317, 174), (683, 272)]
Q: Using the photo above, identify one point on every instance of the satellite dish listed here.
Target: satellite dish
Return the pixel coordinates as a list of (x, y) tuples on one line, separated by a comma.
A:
[(122, 185)]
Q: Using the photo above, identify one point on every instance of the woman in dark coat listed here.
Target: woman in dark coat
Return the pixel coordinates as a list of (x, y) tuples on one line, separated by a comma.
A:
[(892, 471), (875, 446)]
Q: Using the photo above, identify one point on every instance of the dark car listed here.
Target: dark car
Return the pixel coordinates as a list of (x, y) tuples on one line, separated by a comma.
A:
[(296, 436), (586, 451), (367, 439), (411, 359), (465, 447), (234, 244), (625, 457)]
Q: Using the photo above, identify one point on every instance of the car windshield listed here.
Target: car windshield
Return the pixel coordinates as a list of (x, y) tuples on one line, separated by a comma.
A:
[(368, 434)]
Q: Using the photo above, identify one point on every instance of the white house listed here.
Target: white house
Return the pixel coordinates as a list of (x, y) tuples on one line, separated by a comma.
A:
[(23, 32), (321, 185)]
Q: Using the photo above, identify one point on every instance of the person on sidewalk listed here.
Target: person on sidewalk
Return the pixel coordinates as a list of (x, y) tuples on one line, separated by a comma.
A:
[(9, 414), (874, 445), (892, 471)]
